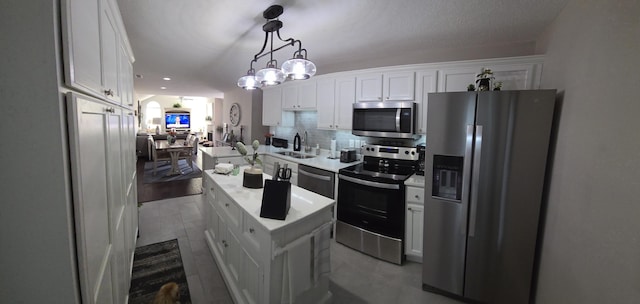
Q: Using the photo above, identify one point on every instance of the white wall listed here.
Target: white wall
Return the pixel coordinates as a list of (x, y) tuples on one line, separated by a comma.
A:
[(36, 224), (591, 248), (250, 113)]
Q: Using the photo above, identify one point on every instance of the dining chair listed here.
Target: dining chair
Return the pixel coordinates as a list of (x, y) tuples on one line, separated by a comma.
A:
[(157, 156), (188, 155)]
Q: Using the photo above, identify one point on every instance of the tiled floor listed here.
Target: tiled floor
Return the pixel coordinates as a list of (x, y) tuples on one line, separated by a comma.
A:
[(355, 277)]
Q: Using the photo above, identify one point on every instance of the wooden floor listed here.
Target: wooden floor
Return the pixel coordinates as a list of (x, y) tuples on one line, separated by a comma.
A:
[(158, 191)]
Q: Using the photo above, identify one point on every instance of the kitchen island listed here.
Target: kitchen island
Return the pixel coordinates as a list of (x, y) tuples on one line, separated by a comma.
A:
[(264, 260)]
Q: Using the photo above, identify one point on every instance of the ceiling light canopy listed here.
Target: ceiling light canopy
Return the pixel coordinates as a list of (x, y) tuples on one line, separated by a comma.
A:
[(298, 67)]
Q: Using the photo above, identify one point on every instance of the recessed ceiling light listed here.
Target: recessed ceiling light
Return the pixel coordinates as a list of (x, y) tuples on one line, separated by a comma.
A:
[(166, 78), (163, 88)]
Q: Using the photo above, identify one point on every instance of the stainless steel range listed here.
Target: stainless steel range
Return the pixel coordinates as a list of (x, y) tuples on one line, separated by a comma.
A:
[(371, 201)]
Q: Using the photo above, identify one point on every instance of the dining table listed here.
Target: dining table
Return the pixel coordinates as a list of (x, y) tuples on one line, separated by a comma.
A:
[(180, 146)]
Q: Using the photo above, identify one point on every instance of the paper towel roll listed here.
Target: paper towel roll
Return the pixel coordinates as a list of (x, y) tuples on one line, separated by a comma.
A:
[(333, 148)]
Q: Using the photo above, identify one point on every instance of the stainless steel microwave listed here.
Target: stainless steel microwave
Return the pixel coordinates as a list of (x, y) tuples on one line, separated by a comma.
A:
[(390, 119)]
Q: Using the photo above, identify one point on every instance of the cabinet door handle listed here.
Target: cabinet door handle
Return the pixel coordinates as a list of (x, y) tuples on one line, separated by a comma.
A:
[(251, 230), (417, 196), (225, 243), (108, 92), (409, 209), (226, 204)]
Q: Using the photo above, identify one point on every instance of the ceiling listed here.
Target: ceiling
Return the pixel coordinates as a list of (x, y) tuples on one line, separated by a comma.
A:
[(204, 46)]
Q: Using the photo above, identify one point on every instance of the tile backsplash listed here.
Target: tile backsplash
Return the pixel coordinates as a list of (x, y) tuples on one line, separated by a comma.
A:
[(307, 121)]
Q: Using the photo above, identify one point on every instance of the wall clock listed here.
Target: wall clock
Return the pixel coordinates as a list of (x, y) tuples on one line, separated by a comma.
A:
[(234, 114)]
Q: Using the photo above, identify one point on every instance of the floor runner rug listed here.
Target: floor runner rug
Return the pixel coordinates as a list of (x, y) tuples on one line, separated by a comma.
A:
[(164, 168), (153, 266)]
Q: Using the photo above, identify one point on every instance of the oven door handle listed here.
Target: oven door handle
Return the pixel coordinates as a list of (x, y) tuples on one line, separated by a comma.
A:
[(369, 183)]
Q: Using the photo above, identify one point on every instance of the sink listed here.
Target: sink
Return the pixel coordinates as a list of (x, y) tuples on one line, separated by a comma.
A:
[(288, 153), (295, 154), (302, 156)]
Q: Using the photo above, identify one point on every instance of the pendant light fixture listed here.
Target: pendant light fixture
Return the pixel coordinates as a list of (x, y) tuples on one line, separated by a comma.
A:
[(298, 67)]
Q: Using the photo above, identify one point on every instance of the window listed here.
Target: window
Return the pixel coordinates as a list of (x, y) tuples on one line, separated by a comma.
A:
[(153, 112)]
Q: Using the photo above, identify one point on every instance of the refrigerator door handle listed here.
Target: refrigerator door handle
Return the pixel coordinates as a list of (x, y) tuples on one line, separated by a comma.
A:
[(475, 180), (466, 172)]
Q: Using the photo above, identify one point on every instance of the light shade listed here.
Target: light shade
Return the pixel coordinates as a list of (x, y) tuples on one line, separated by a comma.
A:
[(298, 68), (270, 76), (248, 82)]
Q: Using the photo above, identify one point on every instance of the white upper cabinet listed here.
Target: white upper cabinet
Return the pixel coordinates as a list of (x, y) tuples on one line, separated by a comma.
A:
[(110, 53), (272, 113), (335, 97), (300, 95), (345, 98), (399, 85), (426, 83), (457, 79), (126, 78), (326, 99), (514, 76), (81, 35), (93, 37)]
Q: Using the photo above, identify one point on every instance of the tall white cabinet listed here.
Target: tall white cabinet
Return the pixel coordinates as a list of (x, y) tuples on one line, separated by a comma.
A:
[(69, 216)]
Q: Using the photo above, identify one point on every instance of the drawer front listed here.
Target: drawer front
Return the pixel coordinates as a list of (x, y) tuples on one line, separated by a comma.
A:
[(254, 234), (415, 195), (229, 208)]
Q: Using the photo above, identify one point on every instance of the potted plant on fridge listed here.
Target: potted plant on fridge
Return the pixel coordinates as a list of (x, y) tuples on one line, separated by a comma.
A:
[(484, 79)]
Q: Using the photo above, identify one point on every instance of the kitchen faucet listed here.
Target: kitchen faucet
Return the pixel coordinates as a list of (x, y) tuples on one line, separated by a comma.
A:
[(307, 147)]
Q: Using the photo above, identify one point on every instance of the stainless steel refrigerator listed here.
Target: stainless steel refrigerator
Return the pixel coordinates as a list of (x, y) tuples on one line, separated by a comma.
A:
[(486, 154)]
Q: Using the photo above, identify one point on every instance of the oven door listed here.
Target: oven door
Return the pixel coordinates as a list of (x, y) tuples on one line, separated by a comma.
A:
[(372, 205)]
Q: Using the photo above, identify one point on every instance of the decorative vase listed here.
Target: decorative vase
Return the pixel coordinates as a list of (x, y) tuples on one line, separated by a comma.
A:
[(171, 139), (484, 84), (252, 178)]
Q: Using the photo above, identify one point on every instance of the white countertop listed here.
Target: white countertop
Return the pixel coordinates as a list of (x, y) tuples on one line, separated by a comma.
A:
[(321, 161), (303, 202), (415, 181)]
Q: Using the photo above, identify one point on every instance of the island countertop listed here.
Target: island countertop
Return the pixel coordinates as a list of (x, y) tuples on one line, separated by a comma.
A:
[(321, 161), (303, 202)]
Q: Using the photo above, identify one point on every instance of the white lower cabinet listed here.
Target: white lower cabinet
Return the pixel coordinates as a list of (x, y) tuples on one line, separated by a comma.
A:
[(414, 225), (241, 266), (245, 251), (104, 197)]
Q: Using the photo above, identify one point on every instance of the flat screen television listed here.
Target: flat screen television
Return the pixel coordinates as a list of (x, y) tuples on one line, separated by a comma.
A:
[(179, 121)]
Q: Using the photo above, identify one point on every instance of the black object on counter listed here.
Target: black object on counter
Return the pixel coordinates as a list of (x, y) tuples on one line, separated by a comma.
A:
[(279, 142), (296, 143), (348, 155), (276, 199), (252, 180)]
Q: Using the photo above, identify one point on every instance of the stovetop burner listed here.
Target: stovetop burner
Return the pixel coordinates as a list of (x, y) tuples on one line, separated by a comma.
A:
[(385, 164)]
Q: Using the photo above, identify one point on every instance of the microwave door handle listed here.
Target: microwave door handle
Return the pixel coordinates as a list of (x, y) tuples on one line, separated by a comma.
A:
[(398, 111)]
